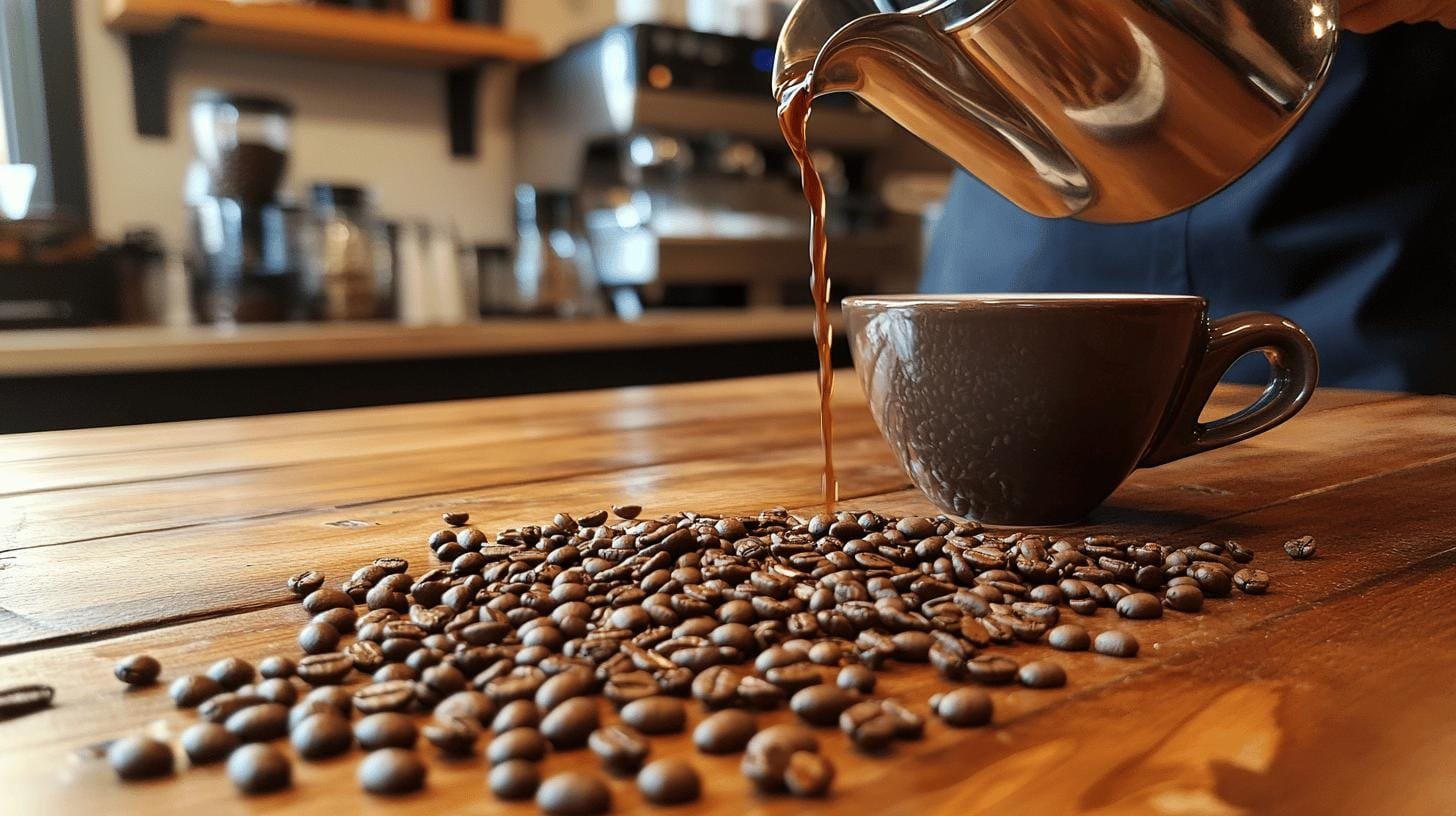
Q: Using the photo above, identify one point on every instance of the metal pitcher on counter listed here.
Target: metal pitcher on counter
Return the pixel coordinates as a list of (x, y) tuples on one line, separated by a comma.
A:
[(1108, 111)]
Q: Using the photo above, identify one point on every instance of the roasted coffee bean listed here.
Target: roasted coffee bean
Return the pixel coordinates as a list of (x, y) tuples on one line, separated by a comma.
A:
[(443, 679), (306, 582), (1140, 606), (1042, 674), (318, 638), (858, 678), (992, 670), (574, 793), (716, 687), (655, 715), (670, 781), (392, 672), (1114, 643), (277, 667), (570, 724), (963, 707), (259, 723), (218, 708), (564, 686), (1252, 581), (322, 599), (138, 670), (472, 704), (439, 538), (341, 618), (1300, 549), (868, 726), (516, 714), (621, 748), (206, 743), (255, 769), (325, 669), (786, 736), (455, 519), (1069, 637), (321, 735), (808, 774), (1214, 579), (724, 732), (387, 729), (277, 690), (1183, 598), (392, 771), (393, 695), (140, 758), (950, 664), (757, 693), (626, 511), (822, 704), (912, 646), (471, 539), (766, 758), (456, 736), (794, 677), (231, 672), (514, 780), (517, 743), (624, 688)]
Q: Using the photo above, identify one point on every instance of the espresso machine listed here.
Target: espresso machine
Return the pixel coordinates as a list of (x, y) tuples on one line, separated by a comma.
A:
[(661, 147)]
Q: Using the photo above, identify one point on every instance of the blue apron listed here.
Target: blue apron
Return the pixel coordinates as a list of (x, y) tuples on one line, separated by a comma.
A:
[(1348, 227)]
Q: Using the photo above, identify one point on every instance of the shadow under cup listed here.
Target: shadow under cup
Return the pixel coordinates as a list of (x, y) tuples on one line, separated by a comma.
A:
[(1030, 410)]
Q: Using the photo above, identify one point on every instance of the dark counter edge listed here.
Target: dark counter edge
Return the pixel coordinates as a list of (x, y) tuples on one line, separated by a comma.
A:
[(65, 402)]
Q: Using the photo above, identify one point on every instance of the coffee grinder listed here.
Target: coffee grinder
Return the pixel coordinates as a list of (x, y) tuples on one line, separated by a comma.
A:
[(243, 261)]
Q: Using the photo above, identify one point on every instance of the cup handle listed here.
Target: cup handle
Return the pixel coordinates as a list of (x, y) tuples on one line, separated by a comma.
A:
[(1295, 366)]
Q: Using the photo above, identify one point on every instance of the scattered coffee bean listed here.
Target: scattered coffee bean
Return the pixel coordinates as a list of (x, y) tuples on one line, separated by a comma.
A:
[(1300, 549), (787, 736), (670, 781), (626, 511), (306, 582), (17, 700), (725, 732), (139, 758), (277, 667), (456, 519), (568, 725), (219, 708), (1140, 606), (325, 669), (655, 715), (1042, 674), (1252, 581), (1069, 637), (277, 690), (389, 695), (455, 736), (391, 772), (231, 672), (857, 678), (517, 743), (808, 774), (206, 743), (574, 793), (514, 780), (386, 730), (992, 670), (259, 723), (963, 707), (1184, 598), (1114, 643), (318, 638), (516, 714), (868, 726), (256, 769), (821, 705), (322, 734), (621, 748), (138, 670)]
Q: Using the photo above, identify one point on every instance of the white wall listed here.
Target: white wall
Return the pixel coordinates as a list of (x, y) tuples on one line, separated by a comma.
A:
[(382, 127)]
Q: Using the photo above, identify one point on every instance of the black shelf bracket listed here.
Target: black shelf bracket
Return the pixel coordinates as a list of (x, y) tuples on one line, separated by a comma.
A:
[(153, 56)]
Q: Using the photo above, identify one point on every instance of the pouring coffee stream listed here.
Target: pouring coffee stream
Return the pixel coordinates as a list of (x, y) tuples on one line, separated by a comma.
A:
[(1107, 111)]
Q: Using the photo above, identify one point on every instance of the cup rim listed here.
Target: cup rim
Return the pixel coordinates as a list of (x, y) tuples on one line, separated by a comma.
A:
[(1038, 299)]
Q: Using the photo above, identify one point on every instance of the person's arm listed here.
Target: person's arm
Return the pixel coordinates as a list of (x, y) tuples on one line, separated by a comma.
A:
[(1365, 16)]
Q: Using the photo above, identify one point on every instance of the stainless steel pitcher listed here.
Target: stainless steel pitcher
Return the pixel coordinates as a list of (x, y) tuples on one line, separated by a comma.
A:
[(1109, 111)]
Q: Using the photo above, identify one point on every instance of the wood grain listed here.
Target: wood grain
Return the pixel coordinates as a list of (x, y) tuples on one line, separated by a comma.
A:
[(1328, 695), (325, 31), (146, 348)]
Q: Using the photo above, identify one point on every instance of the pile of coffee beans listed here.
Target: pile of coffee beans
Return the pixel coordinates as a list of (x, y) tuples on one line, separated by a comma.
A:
[(517, 635)]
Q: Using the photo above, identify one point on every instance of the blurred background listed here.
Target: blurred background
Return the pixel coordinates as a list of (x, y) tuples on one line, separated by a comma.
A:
[(232, 207)]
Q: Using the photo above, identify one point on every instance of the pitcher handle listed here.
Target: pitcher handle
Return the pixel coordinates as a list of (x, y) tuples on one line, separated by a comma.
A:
[(1294, 368)]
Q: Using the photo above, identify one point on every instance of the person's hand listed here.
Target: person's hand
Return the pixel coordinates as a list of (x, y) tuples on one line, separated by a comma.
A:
[(1365, 16)]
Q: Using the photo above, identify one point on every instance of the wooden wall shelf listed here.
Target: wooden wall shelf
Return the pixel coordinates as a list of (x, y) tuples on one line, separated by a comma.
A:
[(156, 27)]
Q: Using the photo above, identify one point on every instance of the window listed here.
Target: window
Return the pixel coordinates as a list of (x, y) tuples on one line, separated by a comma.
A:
[(41, 104)]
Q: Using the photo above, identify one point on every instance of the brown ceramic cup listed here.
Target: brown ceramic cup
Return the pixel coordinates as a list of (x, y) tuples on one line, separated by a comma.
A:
[(1029, 410)]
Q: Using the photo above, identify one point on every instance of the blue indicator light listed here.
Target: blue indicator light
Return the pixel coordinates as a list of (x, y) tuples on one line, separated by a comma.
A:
[(763, 59)]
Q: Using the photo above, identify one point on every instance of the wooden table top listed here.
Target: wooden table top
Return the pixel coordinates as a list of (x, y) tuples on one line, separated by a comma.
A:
[(1332, 694)]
